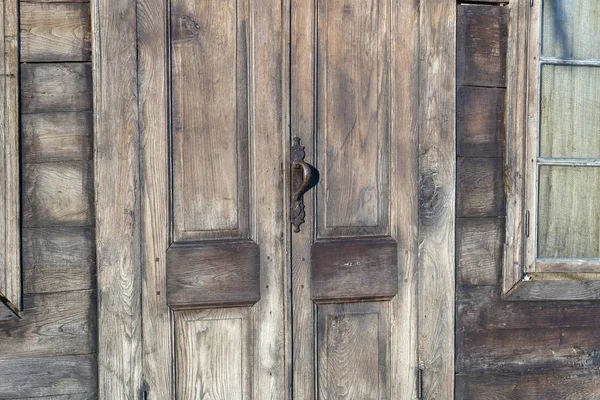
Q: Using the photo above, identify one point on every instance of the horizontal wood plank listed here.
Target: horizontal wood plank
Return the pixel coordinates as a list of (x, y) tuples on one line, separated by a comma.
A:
[(203, 275), (58, 259), (74, 396), (480, 122), (55, 32), (482, 33), (57, 194), (51, 87), (572, 385), (354, 269), (48, 137), (48, 376), (53, 324), (480, 187), (479, 246)]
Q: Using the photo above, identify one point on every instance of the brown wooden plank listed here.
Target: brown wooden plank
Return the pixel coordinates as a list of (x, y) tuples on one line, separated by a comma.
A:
[(354, 269), (572, 385), (55, 32), (49, 137), (74, 396), (48, 376), (480, 122), (482, 33), (479, 247), (481, 307), (480, 187), (58, 259), (57, 194), (51, 87), (213, 274), (53, 324), (527, 350)]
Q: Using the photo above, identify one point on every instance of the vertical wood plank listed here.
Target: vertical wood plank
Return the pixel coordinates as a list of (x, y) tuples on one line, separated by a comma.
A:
[(436, 197), (116, 148)]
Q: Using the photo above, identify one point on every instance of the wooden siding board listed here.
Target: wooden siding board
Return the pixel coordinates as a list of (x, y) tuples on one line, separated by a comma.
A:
[(479, 246), (480, 187)]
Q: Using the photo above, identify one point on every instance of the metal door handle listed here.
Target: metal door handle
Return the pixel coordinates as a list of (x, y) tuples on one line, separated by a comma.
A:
[(304, 178)]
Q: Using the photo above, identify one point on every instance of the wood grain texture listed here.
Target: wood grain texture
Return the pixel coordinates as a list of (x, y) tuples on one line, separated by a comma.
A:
[(479, 250), (74, 396), (57, 194), (352, 351), (482, 33), (210, 131), (48, 376), (561, 385), (116, 177), (10, 212), (352, 117), (437, 177), (58, 259), (53, 324), (50, 137), (51, 87), (480, 122), (480, 187), (213, 354), (217, 274), (55, 32), (354, 269)]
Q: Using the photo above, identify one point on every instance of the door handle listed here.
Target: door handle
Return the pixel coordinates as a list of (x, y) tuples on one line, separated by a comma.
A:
[(304, 178)]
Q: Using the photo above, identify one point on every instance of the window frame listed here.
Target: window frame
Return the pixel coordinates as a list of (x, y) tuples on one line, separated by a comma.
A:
[(524, 276), (10, 235)]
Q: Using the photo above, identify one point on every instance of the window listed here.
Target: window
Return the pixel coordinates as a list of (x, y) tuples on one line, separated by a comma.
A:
[(553, 151)]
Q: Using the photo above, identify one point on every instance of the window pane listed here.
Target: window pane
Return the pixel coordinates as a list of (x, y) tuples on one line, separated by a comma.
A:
[(570, 112), (569, 212), (571, 28)]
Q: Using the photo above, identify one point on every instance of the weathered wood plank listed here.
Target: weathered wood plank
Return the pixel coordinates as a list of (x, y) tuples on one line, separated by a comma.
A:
[(480, 122), (74, 396), (527, 350), (53, 324), (49, 137), (51, 87), (480, 187), (55, 32), (482, 33), (572, 385), (437, 177), (479, 247), (57, 194), (58, 259), (116, 154), (47, 376)]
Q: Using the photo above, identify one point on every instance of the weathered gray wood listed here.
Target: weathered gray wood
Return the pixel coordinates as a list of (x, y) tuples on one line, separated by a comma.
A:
[(480, 187), (10, 271), (51, 87), (58, 259), (49, 137), (217, 274), (75, 396), (480, 122), (437, 174), (482, 32), (57, 194), (352, 351), (52, 325), (116, 173), (479, 250), (354, 269), (55, 32), (47, 376)]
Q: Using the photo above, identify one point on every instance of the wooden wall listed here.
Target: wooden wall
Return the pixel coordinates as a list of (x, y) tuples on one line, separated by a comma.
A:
[(51, 351), (504, 350)]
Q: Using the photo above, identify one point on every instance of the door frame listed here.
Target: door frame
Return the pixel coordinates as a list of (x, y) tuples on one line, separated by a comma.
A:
[(119, 134)]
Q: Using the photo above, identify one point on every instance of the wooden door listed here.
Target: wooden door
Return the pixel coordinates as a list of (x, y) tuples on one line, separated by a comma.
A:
[(235, 305)]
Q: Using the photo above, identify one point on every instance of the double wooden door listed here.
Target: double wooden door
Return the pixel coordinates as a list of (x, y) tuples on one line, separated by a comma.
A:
[(236, 304)]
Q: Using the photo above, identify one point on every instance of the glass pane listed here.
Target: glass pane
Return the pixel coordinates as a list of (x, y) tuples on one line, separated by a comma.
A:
[(569, 212), (571, 28), (570, 112)]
